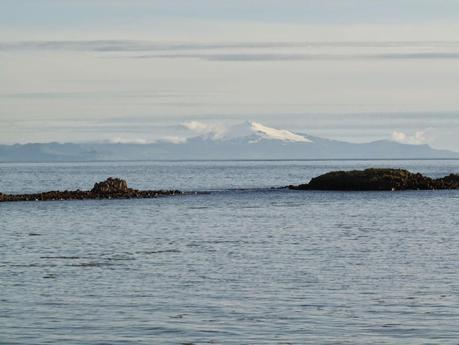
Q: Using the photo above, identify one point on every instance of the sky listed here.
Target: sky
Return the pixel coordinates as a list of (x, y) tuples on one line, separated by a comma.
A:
[(135, 70)]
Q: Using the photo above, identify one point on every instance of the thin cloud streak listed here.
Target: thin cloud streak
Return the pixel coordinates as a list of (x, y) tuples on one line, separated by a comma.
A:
[(137, 46), (305, 57), (250, 51)]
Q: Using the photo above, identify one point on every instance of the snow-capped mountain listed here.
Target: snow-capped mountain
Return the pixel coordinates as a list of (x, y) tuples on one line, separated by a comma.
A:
[(249, 140), (256, 131), (250, 130)]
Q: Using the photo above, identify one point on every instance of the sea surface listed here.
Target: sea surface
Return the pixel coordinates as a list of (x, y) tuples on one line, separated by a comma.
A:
[(242, 264)]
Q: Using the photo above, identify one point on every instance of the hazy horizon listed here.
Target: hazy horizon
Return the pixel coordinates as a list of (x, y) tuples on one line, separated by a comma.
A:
[(181, 133)]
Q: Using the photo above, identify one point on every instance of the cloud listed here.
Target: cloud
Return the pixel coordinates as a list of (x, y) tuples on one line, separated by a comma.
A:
[(257, 57), (173, 140), (418, 138), (139, 45), (139, 141), (201, 128), (251, 51), (120, 140)]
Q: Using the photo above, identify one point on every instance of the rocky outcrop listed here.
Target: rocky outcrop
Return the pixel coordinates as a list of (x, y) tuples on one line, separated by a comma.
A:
[(378, 180), (448, 182), (112, 188)]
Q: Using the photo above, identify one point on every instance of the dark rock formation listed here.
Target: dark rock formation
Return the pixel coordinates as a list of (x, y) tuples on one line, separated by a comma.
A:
[(378, 180), (448, 182), (112, 188)]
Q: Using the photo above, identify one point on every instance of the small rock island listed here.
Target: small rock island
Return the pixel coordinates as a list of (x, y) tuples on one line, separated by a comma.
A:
[(378, 180), (111, 188)]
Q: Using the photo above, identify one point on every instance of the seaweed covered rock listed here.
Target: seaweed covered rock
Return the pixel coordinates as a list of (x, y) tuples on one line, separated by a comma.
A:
[(448, 182), (111, 186), (377, 180)]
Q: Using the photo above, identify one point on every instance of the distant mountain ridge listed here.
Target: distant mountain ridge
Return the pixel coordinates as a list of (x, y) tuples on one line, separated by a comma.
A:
[(250, 140)]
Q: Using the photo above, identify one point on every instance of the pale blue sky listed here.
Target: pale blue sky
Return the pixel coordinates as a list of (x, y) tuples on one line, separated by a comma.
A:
[(65, 13), (354, 70)]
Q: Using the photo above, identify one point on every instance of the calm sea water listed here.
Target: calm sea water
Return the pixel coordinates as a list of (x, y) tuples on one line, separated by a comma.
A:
[(242, 265)]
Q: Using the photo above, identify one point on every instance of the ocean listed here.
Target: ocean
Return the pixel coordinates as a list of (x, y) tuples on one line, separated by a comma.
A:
[(243, 264)]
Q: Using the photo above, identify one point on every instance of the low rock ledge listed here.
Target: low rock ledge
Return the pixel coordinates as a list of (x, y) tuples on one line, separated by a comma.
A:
[(378, 180), (111, 188)]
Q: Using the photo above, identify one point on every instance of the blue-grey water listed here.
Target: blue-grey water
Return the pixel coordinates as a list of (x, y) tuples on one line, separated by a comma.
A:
[(244, 264)]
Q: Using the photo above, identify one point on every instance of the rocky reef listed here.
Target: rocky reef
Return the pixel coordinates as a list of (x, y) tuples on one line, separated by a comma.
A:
[(354, 180), (111, 188), (378, 180)]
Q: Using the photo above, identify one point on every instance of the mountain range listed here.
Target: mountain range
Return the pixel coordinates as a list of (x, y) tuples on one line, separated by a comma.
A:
[(249, 140)]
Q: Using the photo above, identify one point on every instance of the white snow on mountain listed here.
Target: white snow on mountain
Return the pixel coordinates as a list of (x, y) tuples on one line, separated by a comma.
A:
[(277, 134), (253, 130)]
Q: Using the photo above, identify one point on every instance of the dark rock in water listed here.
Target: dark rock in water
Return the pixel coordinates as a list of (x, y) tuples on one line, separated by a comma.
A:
[(112, 188), (448, 182), (378, 180)]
